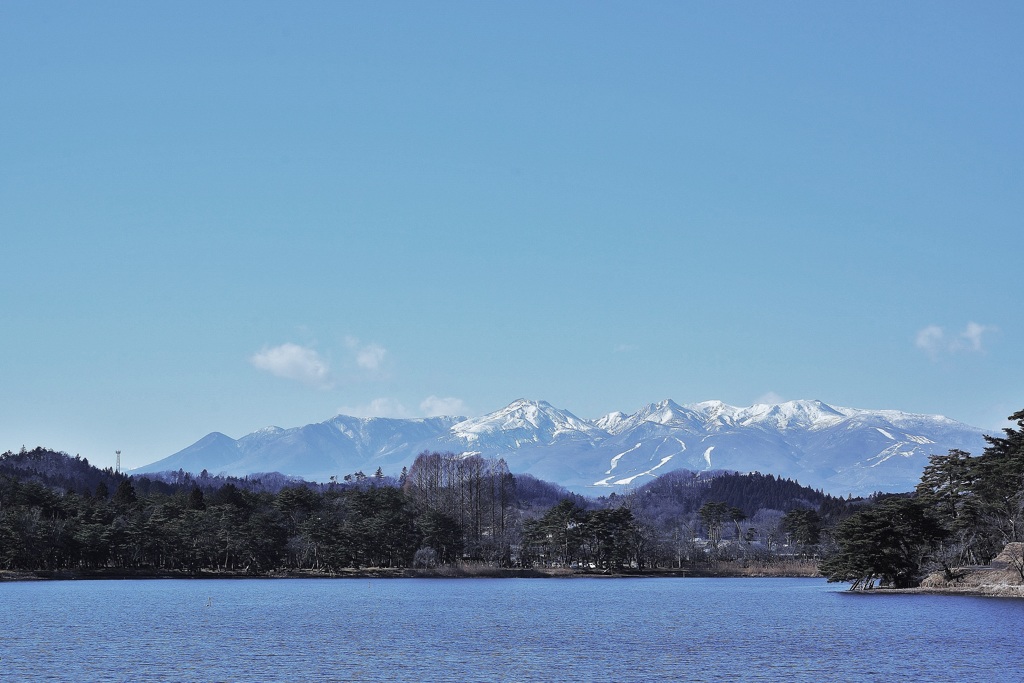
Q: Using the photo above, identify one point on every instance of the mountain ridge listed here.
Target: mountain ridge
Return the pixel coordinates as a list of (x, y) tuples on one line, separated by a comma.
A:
[(838, 449)]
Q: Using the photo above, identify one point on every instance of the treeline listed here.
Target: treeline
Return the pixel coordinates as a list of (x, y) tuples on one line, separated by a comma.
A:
[(74, 474), (193, 524), (57, 512), (964, 511)]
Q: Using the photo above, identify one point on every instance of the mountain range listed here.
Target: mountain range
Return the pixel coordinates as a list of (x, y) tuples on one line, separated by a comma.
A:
[(838, 450)]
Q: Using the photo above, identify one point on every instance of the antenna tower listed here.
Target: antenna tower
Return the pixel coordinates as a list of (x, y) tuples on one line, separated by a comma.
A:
[(118, 468)]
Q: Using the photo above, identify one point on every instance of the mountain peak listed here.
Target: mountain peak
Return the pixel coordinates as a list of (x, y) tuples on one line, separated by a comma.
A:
[(525, 421), (805, 414), (526, 404), (612, 421)]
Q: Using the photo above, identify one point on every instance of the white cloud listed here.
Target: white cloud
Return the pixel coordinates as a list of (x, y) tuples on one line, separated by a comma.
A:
[(378, 407), (433, 406), (770, 398), (291, 361), (625, 348), (934, 340)]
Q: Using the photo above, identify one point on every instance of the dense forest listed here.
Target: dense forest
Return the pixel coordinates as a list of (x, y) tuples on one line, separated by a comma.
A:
[(964, 511), (59, 513)]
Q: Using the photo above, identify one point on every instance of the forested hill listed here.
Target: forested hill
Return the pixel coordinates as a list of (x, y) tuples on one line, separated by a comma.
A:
[(62, 473), (748, 492), (757, 505), (57, 471)]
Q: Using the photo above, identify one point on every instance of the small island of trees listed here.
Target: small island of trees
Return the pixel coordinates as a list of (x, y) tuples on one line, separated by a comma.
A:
[(965, 511)]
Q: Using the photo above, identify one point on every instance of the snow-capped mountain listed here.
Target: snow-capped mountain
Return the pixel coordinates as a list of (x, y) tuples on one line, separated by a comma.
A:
[(524, 423), (840, 450)]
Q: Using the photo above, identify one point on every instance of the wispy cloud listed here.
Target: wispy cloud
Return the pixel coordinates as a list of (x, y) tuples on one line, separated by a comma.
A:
[(971, 337), (294, 362), (931, 340), (434, 406), (935, 341), (378, 407), (370, 357), (367, 356), (625, 348), (769, 398)]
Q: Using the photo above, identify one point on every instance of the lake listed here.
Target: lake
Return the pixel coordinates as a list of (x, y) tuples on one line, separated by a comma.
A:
[(500, 630)]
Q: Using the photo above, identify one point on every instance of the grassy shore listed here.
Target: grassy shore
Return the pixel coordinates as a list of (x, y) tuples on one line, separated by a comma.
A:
[(1000, 579)]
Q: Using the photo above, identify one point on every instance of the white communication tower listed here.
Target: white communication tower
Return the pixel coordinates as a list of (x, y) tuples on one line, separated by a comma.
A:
[(118, 468)]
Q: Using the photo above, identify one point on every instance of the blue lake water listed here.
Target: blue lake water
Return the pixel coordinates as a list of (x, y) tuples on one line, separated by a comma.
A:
[(500, 630)]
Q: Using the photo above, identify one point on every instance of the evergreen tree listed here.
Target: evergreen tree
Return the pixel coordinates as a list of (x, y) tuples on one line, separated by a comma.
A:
[(712, 514), (889, 541), (196, 500), (999, 482), (125, 495), (803, 527)]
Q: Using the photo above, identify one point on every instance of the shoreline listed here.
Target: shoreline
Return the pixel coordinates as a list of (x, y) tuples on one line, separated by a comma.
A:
[(1001, 578), (456, 572), (987, 591)]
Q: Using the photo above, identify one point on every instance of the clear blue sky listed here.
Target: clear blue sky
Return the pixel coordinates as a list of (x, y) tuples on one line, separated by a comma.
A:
[(222, 216)]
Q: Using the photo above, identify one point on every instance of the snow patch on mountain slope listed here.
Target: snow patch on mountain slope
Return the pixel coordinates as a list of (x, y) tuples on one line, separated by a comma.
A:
[(629, 480), (898, 449), (615, 459)]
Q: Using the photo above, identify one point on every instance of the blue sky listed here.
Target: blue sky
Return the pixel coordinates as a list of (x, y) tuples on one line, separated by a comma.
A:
[(222, 216)]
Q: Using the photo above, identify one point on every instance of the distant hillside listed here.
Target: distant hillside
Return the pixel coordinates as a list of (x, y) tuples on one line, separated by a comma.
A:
[(680, 494), (62, 473), (57, 471)]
